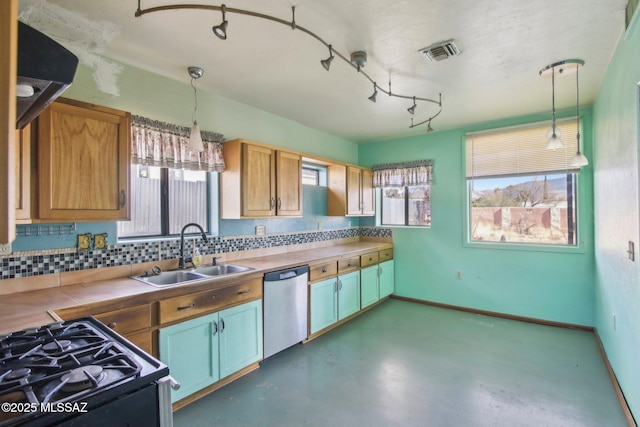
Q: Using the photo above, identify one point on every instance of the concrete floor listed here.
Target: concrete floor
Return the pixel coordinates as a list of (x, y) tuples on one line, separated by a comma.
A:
[(406, 364)]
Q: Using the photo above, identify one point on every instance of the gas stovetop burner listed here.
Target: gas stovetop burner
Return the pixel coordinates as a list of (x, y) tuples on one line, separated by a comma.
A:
[(56, 346), (83, 378), (17, 374)]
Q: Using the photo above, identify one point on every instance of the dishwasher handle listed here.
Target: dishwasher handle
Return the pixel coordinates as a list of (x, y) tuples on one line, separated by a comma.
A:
[(289, 273)]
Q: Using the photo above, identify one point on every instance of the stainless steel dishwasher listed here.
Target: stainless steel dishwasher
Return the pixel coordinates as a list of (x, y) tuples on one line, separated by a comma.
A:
[(285, 309)]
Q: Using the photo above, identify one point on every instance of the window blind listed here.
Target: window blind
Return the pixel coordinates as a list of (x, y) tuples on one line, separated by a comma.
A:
[(520, 150)]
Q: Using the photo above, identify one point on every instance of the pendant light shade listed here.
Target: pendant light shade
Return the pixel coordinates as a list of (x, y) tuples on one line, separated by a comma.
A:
[(195, 145)]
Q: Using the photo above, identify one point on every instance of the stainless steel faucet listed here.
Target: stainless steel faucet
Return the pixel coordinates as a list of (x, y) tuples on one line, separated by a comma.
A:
[(181, 258)]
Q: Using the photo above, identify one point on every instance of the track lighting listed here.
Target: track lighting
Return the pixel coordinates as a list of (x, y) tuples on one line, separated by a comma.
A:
[(372, 98), (357, 59), (412, 109), (326, 63), (429, 128), (195, 144), (221, 30)]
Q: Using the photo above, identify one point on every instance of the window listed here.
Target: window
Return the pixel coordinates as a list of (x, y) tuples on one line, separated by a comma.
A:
[(310, 176), (406, 192), (409, 205), (163, 200), (519, 192)]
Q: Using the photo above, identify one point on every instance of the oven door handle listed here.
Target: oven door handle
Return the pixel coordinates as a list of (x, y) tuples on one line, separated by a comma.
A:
[(165, 385)]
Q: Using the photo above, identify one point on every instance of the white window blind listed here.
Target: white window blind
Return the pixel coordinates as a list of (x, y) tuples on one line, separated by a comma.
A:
[(520, 150)]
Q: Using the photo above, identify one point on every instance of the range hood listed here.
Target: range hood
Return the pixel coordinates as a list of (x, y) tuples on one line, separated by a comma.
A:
[(45, 70)]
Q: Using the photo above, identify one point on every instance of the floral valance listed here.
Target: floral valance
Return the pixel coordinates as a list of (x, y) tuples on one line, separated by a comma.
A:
[(418, 172), (156, 143)]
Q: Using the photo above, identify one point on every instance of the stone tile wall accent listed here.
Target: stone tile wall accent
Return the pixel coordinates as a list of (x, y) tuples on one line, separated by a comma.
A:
[(26, 264)]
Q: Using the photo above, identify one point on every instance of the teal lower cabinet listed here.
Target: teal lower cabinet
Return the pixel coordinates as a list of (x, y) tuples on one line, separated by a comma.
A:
[(386, 278), (369, 286), (190, 349), (348, 294), (240, 337), (323, 304), (201, 351)]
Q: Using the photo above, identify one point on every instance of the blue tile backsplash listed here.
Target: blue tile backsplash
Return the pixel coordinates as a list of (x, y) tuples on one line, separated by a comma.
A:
[(56, 261)]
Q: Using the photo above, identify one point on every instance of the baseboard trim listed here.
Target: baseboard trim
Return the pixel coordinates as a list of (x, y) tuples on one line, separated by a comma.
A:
[(612, 376), (498, 314)]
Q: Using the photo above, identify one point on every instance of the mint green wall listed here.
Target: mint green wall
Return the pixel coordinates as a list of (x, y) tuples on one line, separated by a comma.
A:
[(616, 215), (555, 286), (157, 97)]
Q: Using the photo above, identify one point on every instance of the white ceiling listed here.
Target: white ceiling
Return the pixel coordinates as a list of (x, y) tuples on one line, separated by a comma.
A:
[(503, 43)]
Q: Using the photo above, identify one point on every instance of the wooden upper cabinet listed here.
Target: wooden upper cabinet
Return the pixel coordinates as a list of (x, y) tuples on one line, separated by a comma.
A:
[(260, 181), (23, 174), (83, 162), (351, 191)]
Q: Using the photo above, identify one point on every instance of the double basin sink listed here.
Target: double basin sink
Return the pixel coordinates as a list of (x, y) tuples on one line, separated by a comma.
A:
[(181, 277)]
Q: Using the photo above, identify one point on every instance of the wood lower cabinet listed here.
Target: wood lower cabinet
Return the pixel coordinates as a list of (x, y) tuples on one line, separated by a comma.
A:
[(260, 181), (83, 162), (133, 323), (204, 350)]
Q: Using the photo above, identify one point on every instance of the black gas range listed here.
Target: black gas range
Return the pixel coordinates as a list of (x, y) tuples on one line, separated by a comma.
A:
[(80, 373)]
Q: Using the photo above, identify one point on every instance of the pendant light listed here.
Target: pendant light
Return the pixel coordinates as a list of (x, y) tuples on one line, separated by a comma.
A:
[(553, 135), (195, 144), (579, 160)]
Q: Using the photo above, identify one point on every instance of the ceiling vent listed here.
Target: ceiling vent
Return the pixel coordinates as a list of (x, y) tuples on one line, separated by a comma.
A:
[(440, 51)]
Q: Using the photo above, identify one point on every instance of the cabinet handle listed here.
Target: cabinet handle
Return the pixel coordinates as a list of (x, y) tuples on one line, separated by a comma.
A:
[(123, 198), (279, 202), (246, 291), (221, 325), (324, 269), (370, 259), (215, 328), (112, 325), (186, 307), (273, 203), (339, 284)]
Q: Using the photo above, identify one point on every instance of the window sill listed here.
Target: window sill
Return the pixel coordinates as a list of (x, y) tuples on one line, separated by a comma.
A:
[(579, 249)]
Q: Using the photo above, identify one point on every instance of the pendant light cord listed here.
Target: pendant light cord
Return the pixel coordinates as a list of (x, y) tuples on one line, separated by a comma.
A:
[(577, 108), (553, 100), (195, 96)]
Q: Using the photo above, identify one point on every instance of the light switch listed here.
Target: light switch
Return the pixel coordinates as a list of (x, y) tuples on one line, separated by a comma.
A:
[(632, 251)]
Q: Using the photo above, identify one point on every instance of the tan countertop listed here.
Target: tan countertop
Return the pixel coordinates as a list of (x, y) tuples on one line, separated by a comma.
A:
[(30, 309)]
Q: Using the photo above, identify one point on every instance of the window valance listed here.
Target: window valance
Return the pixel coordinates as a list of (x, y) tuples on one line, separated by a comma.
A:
[(417, 172), (157, 143)]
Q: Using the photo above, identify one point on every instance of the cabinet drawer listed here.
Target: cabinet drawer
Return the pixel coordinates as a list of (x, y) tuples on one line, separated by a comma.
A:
[(191, 305), (385, 255), (142, 340), (323, 271), (128, 319), (368, 259), (348, 264)]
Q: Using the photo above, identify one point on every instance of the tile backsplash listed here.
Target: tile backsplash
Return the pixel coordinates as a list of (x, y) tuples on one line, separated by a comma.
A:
[(24, 264)]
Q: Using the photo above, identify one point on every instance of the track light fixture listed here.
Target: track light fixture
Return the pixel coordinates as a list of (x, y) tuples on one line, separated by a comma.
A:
[(357, 59), (221, 30), (195, 144), (429, 128), (372, 98), (412, 109), (326, 63)]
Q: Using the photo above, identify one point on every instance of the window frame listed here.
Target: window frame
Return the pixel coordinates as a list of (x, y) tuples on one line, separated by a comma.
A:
[(211, 226), (580, 200), (406, 208)]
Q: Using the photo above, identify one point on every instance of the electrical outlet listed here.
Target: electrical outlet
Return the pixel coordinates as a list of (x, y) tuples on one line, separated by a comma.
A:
[(5, 249), (459, 275), (614, 321), (261, 230)]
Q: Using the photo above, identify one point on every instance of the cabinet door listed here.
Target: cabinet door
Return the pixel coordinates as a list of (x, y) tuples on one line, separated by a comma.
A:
[(323, 304), (258, 181), (190, 349), (386, 275), (368, 193), (348, 294), (240, 337), (369, 285), (289, 184), (23, 173), (354, 182), (83, 159)]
